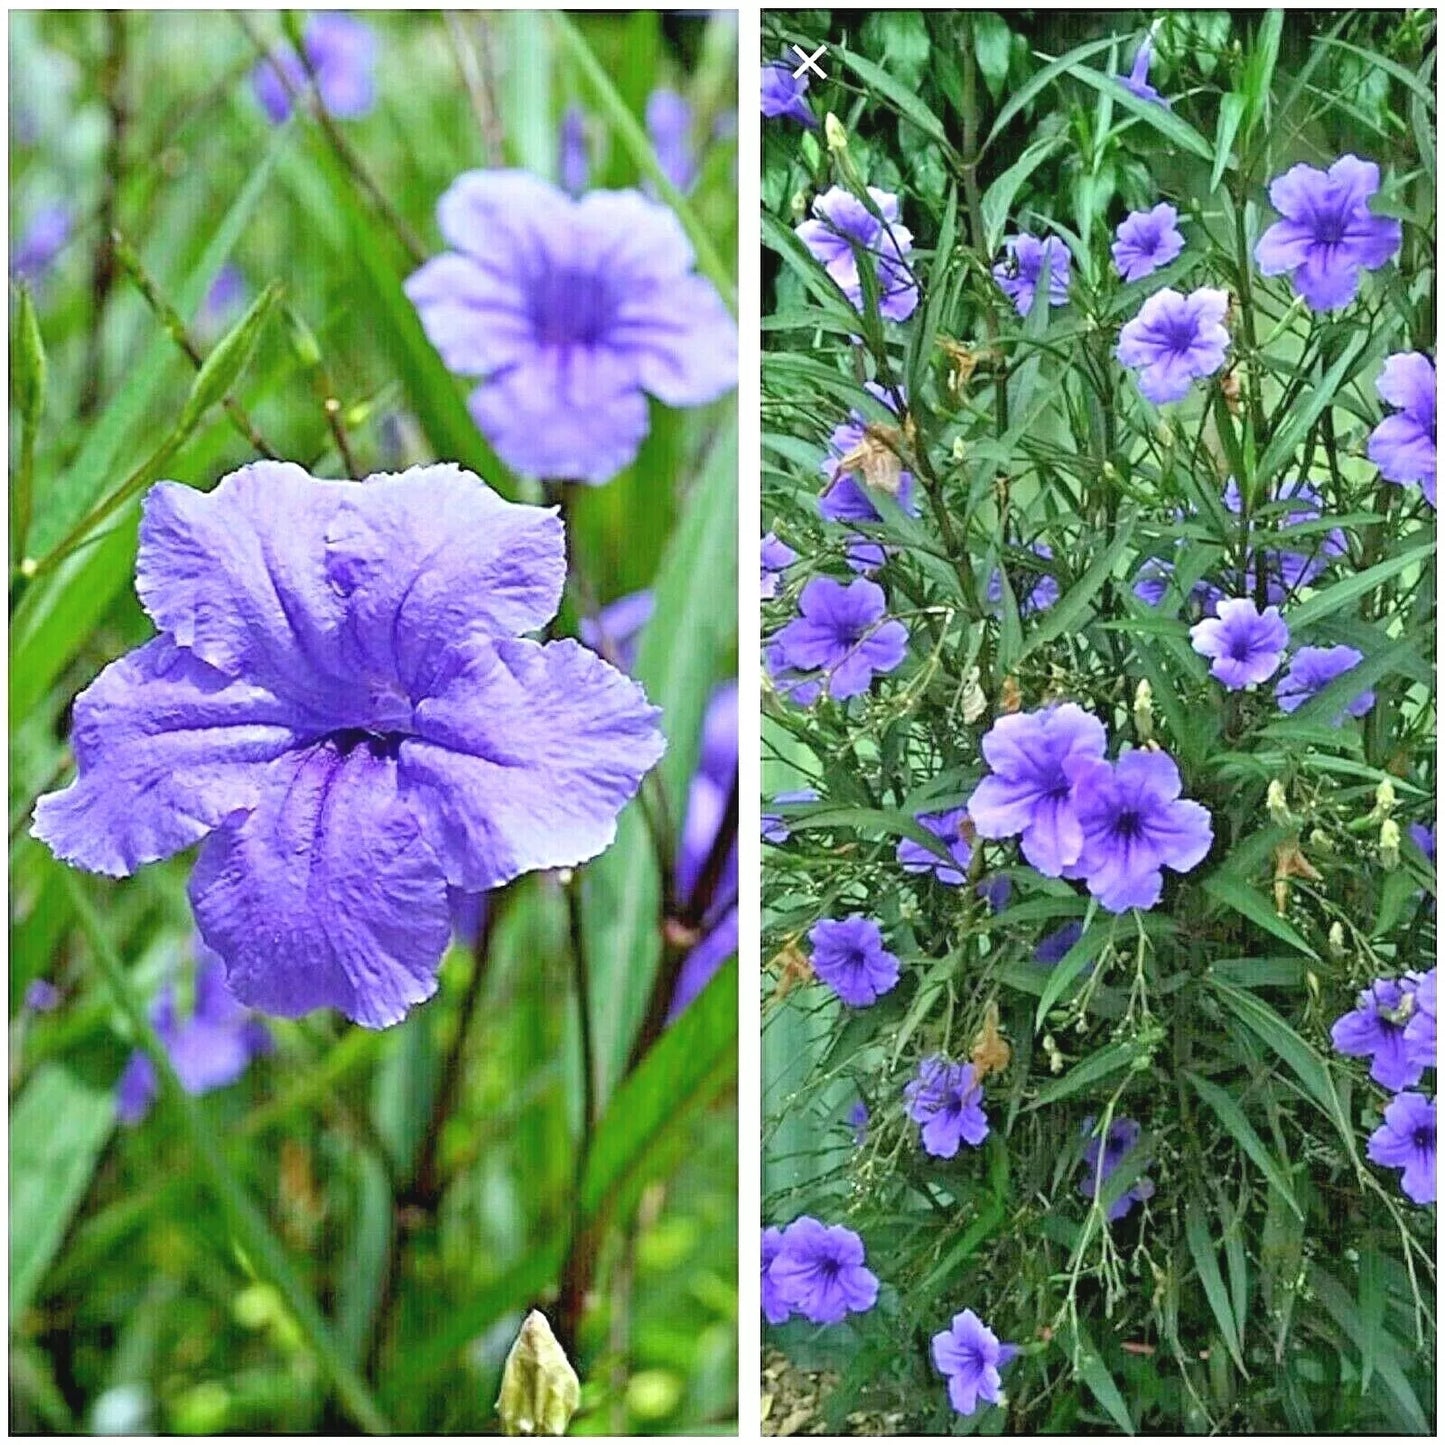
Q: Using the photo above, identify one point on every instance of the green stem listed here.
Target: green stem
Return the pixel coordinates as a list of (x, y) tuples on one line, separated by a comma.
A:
[(261, 1247)]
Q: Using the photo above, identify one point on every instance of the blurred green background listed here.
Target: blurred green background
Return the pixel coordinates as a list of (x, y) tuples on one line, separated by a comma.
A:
[(134, 1306)]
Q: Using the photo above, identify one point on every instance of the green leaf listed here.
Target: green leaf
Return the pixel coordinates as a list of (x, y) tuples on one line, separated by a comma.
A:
[(992, 45), (1095, 1374), (1097, 1066), (1068, 614), (1243, 1134), (58, 1127), (1041, 78), (1169, 124), (1206, 1261), (1271, 1029), (27, 394), (998, 199), (1231, 112), (1338, 594), (904, 101), (1259, 70), (682, 1072), (1240, 895)]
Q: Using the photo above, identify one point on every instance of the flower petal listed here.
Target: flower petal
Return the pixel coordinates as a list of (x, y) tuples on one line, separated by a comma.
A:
[(683, 342), (1407, 380), (523, 759), (166, 749), (504, 217), (474, 313), (326, 896)]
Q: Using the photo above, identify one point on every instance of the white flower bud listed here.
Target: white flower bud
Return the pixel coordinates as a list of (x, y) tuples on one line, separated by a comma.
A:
[(540, 1388), (1277, 806), (1144, 710), (1389, 844)]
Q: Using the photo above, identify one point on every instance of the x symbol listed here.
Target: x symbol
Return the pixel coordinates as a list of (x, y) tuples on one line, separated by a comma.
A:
[(810, 61)]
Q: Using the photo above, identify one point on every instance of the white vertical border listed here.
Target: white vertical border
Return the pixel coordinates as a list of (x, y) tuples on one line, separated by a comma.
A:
[(749, 726)]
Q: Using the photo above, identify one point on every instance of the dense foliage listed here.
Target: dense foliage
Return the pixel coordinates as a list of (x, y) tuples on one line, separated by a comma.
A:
[(328, 1227), (1099, 733)]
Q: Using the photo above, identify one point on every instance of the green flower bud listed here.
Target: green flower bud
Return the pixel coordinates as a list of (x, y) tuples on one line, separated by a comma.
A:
[(1389, 844), (1338, 951), (1144, 711), (540, 1389), (1277, 806), (833, 131), (1384, 800)]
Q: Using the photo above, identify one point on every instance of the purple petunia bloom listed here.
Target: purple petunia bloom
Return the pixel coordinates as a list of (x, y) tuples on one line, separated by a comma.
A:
[(1328, 234), (1147, 240), (1420, 1032), (573, 311), (843, 632), (574, 158), (1041, 596), (819, 1271), (776, 558), (1024, 262), (1406, 1140), (1311, 670), (1375, 1029), (41, 996), (669, 128), (1123, 1136), (947, 1100), (842, 227), (339, 703), (775, 826), (1174, 340), (42, 241), (210, 1049), (617, 628), (1246, 645), (1137, 81), (342, 54), (1403, 445), (1054, 946), (783, 92), (776, 1309), (948, 826), (1028, 790), (849, 956), (1134, 824), (847, 499), (969, 1356)]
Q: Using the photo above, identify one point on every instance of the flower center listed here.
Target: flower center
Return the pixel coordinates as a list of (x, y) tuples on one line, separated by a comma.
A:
[(1330, 226), (1424, 1138), (1180, 333), (569, 307), (1128, 824), (381, 745)]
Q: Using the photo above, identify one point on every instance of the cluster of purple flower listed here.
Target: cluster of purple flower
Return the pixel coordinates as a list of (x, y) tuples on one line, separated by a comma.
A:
[(1114, 825), (815, 1270), (1393, 1025)]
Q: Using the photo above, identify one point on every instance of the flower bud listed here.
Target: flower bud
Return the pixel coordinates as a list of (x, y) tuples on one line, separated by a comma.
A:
[(1384, 800), (1276, 805), (1389, 844), (834, 133), (1144, 710), (1338, 951), (540, 1389)]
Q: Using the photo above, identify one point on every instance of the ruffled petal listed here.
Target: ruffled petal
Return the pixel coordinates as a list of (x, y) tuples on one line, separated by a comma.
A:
[(523, 759), (326, 895), (682, 340), (473, 313), (166, 749), (1328, 279), (430, 559), (1407, 380), (506, 219), (1372, 240), (569, 413), (1402, 449), (626, 236)]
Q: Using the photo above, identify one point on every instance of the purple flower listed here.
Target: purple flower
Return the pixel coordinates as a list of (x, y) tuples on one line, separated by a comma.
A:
[(969, 1356), (1424, 839), (1137, 81), (342, 53), (209, 1050), (1122, 1137), (1247, 645), (801, 689), (669, 127), (573, 311), (1285, 572), (948, 826), (1174, 340), (1406, 1140), (1054, 946), (819, 1271), (849, 956), (1028, 790), (996, 892), (43, 240), (858, 1121), (842, 631), (1024, 260), (1043, 594), (775, 826), (1375, 1029), (339, 704), (776, 1309), (783, 92), (1147, 240), (1134, 824), (709, 794), (1312, 669), (41, 996), (847, 498), (1420, 1036), (777, 557), (574, 160), (617, 628), (718, 944), (1403, 445), (842, 226), (947, 1100), (1328, 234)]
